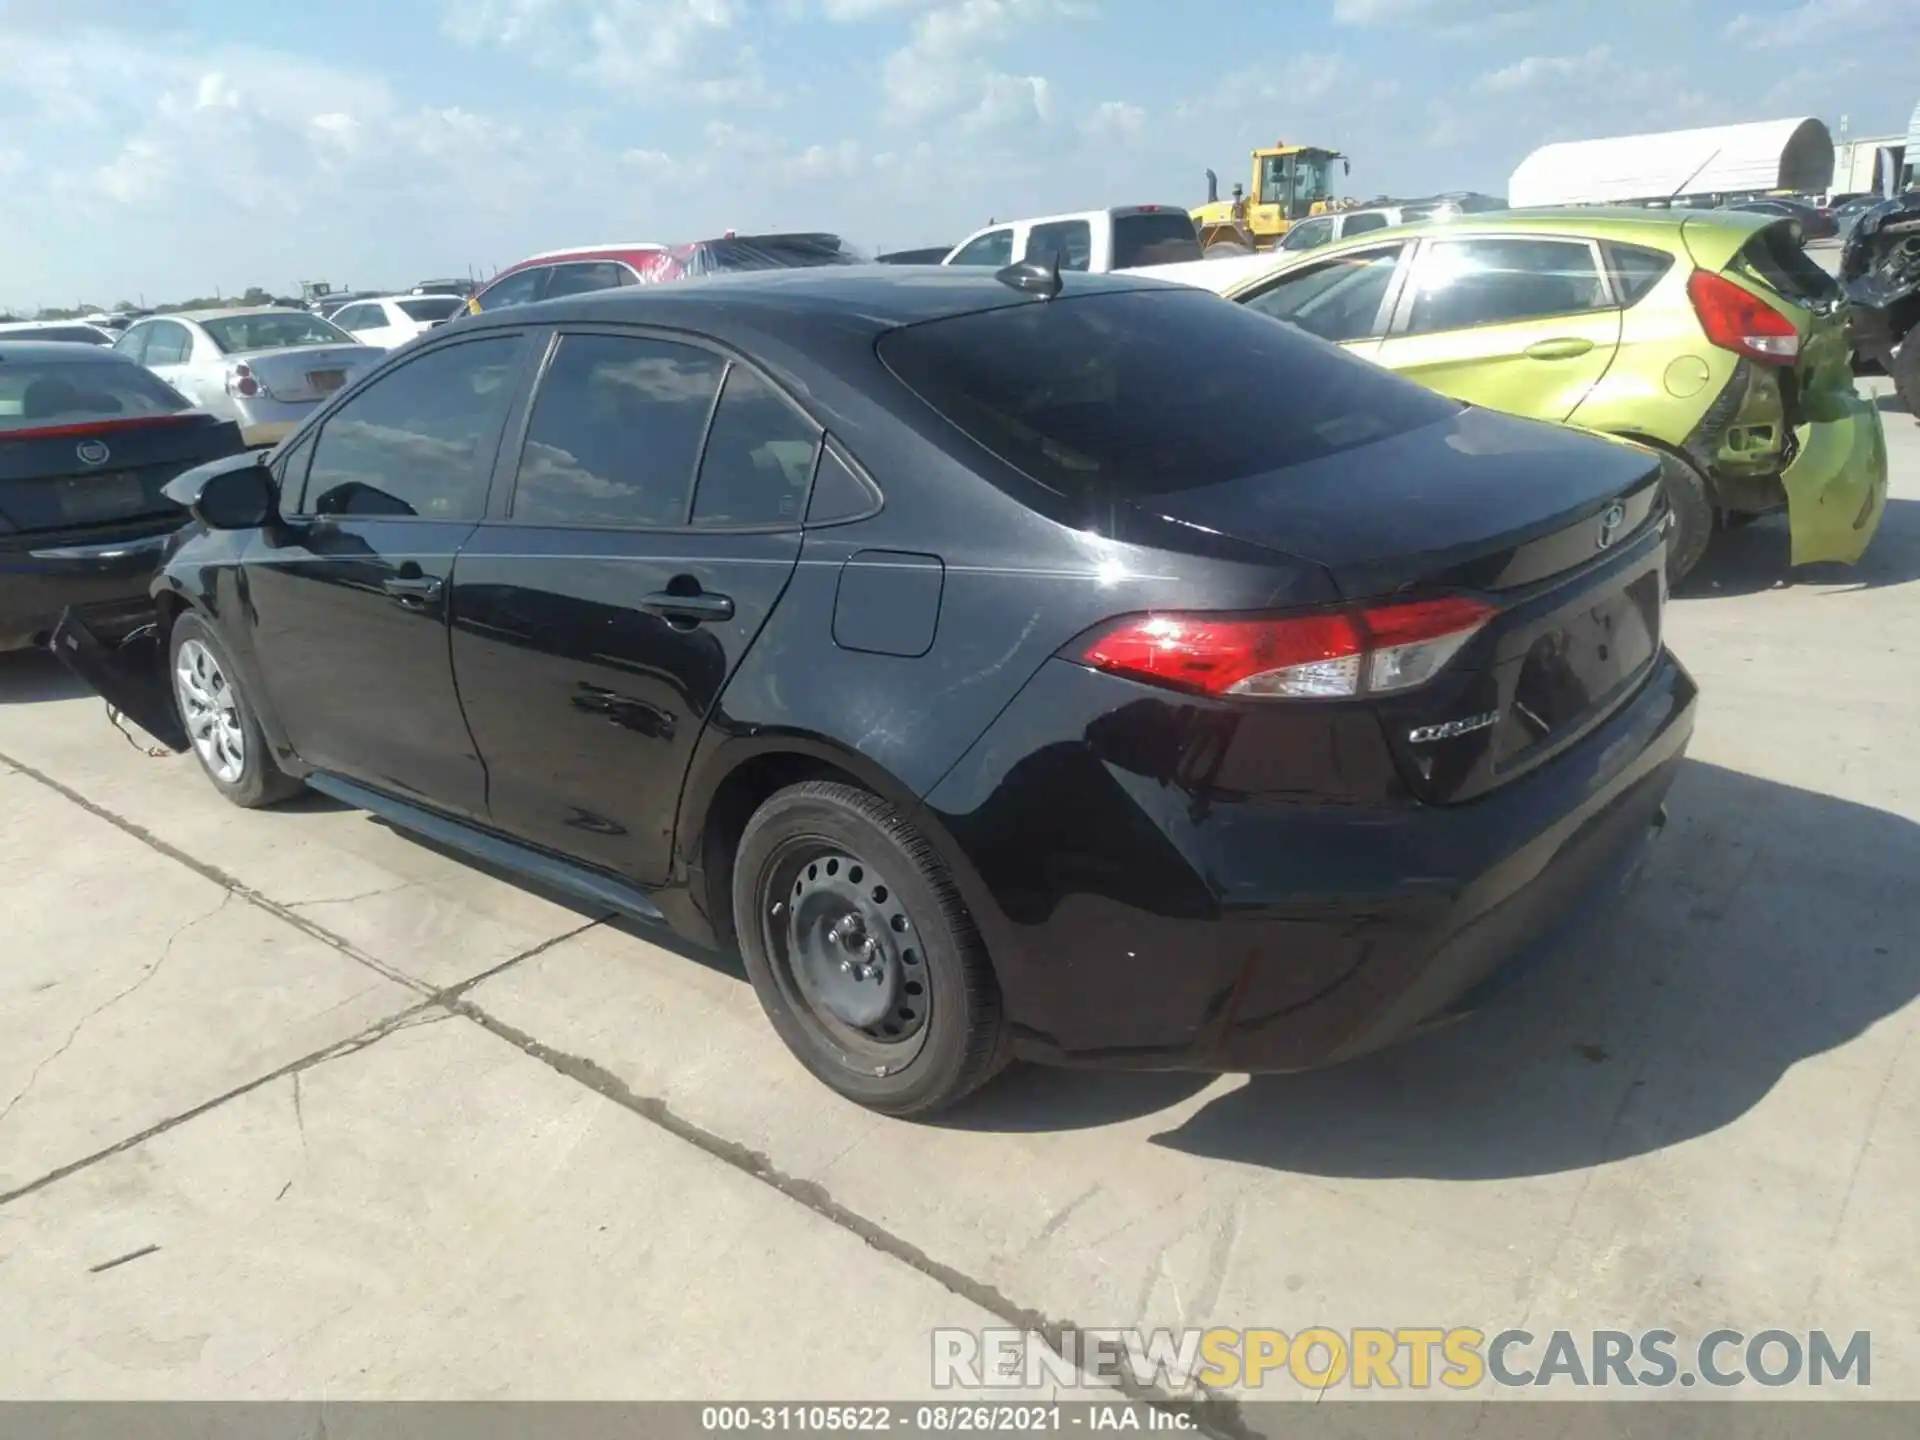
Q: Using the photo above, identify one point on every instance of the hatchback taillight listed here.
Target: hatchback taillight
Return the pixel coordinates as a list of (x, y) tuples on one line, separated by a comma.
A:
[(1738, 320), (1333, 654)]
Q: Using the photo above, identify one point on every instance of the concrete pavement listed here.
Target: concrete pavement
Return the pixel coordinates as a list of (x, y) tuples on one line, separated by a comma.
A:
[(399, 1127)]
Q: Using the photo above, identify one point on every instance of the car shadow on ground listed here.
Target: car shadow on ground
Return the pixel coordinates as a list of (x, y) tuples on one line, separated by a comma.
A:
[(1772, 924), (1753, 557), (30, 677)]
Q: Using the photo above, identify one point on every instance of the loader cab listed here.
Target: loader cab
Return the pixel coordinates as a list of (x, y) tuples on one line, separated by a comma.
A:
[(1296, 180)]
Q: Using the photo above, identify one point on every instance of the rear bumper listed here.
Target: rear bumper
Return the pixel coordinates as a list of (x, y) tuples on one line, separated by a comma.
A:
[(129, 673), (1837, 484), (106, 581), (1202, 931), (268, 422)]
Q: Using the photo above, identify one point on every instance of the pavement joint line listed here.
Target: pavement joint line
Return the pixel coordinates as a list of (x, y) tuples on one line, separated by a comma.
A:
[(1219, 1415), (221, 878)]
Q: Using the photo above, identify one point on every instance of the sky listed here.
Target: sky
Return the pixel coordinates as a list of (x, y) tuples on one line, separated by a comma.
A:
[(169, 148)]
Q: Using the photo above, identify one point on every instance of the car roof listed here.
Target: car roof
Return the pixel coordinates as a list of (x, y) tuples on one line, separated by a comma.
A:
[(201, 316), (57, 350), (15, 326), (1599, 222), (874, 298)]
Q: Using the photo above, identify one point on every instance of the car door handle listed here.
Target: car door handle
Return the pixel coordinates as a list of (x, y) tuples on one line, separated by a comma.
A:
[(696, 608), (413, 590), (1564, 348)]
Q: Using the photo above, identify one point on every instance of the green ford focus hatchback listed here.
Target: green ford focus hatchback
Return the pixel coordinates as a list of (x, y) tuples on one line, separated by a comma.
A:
[(1709, 336)]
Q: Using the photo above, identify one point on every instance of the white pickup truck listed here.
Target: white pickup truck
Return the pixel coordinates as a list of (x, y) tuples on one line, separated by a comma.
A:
[(1099, 241)]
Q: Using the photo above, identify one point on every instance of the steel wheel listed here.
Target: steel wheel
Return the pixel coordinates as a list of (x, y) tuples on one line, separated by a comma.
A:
[(211, 711), (846, 955)]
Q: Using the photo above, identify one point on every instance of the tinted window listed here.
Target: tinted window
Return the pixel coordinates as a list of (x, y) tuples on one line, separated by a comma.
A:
[(1072, 239), (1777, 259), (1308, 234), (993, 248), (64, 334), (585, 278), (60, 392), (433, 307), (274, 330), (520, 288), (360, 317), (1637, 270), (616, 433), (1362, 222), (1149, 391), (167, 344), (759, 457), (1154, 238), (414, 441), (133, 344), (770, 252), (1337, 299), (1494, 280)]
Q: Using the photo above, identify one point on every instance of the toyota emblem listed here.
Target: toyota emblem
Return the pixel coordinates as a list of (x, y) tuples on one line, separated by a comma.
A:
[(1610, 522), (93, 452)]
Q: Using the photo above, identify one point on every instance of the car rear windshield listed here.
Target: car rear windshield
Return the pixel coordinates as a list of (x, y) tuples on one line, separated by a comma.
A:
[(65, 334), (431, 307), (1154, 238), (35, 394), (1144, 392), (1777, 259), (278, 331), (773, 252)]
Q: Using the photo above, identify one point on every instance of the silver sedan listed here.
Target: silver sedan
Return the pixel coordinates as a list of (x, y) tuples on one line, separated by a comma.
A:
[(264, 369)]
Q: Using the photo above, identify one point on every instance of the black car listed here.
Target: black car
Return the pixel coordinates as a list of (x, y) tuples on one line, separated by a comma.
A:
[(1815, 223), (87, 441), (1083, 669)]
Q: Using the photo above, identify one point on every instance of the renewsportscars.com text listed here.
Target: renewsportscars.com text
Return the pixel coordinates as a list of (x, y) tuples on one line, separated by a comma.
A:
[(1413, 1358)]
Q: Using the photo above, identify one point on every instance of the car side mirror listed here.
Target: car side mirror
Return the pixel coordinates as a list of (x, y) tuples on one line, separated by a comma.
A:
[(237, 493)]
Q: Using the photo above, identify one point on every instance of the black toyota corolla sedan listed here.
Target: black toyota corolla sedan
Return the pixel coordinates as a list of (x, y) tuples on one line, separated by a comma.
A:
[(88, 440), (1086, 670)]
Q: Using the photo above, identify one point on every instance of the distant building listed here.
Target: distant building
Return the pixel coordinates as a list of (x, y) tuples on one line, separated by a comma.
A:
[(1720, 161), (1859, 166)]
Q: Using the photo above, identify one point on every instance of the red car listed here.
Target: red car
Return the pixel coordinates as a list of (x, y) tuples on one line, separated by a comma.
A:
[(556, 273)]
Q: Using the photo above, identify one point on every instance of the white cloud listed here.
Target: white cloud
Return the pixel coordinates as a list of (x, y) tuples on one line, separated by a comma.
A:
[(1448, 16), (1823, 22), (843, 11), (1536, 70), (646, 51), (1114, 120), (944, 69)]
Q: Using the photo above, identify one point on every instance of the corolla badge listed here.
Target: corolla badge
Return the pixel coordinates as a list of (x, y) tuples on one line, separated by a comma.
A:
[(1611, 520), (93, 452), (1448, 730)]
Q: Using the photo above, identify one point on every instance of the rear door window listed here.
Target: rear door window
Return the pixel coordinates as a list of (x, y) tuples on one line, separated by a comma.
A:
[(1309, 234), (1072, 240), (1144, 392), (520, 288), (417, 441), (1636, 270), (133, 344), (759, 457), (1340, 299), (993, 248), (167, 344), (1497, 280), (1360, 223), (1154, 237), (585, 278), (616, 433)]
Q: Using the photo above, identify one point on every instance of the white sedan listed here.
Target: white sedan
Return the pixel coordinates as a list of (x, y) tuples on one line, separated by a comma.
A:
[(391, 320)]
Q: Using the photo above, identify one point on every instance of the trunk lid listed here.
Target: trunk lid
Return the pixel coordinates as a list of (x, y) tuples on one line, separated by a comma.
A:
[(1482, 501), (106, 474), (1564, 531), (308, 372)]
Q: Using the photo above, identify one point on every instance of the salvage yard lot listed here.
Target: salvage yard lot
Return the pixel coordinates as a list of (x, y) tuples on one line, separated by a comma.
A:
[(373, 1122)]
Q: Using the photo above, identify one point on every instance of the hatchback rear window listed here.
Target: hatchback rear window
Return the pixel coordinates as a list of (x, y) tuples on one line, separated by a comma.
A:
[(1779, 261), (62, 334), (1153, 238), (68, 392), (1145, 392)]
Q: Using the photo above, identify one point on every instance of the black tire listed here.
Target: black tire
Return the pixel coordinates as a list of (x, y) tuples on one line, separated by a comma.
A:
[(930, 1047), (1691, 500), (1905, 370), (259, 781)]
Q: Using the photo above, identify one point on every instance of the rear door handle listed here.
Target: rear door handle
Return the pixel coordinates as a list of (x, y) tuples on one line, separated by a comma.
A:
[(1564, 348), (413, 591), (696, 609)]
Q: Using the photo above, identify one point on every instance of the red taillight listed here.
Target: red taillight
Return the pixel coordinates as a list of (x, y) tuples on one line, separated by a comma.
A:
[(1740, 321), (1331, 654), (241, 381), (83, 428)]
